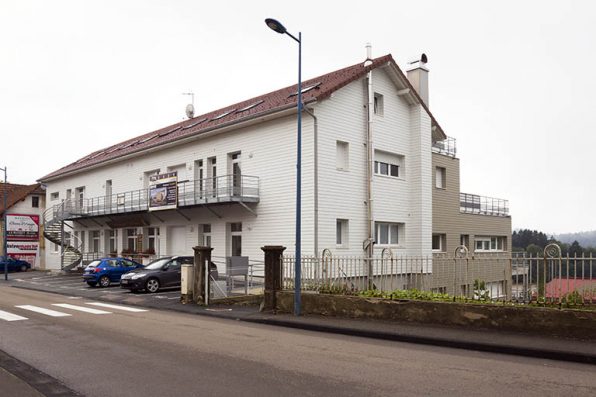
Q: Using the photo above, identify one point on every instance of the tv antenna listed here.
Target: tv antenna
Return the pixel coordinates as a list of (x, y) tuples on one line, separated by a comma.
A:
[(190, 108)]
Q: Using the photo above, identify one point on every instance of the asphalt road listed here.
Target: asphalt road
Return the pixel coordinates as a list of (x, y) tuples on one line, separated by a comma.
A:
[(160, 353)]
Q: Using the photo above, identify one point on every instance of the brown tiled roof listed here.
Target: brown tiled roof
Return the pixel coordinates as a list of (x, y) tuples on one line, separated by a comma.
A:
[(268, 103), (16, 193)]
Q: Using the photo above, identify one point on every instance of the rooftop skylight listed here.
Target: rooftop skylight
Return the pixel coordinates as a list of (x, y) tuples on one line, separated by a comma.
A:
[(223, 114), (170, 131), (114, 149), (194, 124), (129, 144), (148, 138), (305, 90), (250, 106), (97, 155)]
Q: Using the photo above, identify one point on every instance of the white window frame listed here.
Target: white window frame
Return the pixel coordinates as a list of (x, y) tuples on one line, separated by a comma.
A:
[(94, 238), (205, 231), (440, 177), (489, 243), (390, 167), (131, 237), (392, 227), (112, 240), (153, 236), (342, 232), (54, 196), (342, 156), (441, 243), (378, 104)]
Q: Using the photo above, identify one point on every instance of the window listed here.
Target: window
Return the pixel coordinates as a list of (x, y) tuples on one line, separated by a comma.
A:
[(153, 233), (341, 233), (131, 238), (438, 242), (35, 201), (212, 173), (94, 243), (487, 244), (389, 164), (387, 233), (378, 104), (55, 248), (236, 237), (464, 240), (54, 196), (342, 155), (205, 235), (440, 175), (112, 242), (108, 191), (236, 171), (113, 263), (194, 124), (244, 109), (127, 263)]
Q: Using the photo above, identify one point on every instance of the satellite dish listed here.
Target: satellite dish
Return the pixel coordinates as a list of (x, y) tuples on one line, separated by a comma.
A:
[(190, 111)]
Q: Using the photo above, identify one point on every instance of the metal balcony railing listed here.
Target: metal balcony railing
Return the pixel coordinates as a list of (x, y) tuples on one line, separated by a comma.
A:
[(475, 204), (221, 189), (447, 147)]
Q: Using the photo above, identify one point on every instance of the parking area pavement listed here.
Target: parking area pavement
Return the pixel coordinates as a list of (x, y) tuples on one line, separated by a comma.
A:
[(74, 287)]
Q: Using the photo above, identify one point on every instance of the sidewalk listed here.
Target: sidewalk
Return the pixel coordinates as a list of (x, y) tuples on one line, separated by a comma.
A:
[(497, 342)]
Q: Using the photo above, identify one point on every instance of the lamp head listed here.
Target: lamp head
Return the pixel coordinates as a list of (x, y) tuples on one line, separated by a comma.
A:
[(275, 25)]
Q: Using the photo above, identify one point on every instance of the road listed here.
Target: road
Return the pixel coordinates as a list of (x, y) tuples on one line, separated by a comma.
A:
[(162, 353)]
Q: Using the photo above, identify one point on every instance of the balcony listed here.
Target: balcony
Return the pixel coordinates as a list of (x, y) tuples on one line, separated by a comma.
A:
[(447, 147), (221, 189), (474, 204)]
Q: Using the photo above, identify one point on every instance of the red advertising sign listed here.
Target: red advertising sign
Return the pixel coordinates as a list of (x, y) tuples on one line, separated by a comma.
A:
[(22, 227)]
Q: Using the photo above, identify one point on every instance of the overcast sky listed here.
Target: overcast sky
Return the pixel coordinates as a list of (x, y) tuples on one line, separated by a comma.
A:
[(513, 82)]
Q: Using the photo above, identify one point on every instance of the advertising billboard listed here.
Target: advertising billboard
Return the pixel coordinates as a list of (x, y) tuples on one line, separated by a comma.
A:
[(163, 191), (22, 227), (24, 250)]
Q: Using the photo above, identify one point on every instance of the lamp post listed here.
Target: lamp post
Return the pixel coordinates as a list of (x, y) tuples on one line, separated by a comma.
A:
[(279, 28), (4, 219)]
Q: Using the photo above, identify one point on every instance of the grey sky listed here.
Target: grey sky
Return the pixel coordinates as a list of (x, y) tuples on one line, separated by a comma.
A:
[(512, 81)]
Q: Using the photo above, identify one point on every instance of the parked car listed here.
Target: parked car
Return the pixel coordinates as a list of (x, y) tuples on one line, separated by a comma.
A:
[(108, 270), (14, 264), (161, 273)]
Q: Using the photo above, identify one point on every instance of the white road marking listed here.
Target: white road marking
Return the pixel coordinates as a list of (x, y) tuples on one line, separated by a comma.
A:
[(41, 310), (128, 309), (10, 317), (80, 308)]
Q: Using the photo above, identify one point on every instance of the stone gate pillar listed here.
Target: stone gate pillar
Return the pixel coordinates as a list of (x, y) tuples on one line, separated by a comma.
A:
[(273, 276), (201, 286)]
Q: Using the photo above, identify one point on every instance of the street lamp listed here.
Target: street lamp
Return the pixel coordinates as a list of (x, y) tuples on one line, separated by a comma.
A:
[(4, 217), (279, 28)]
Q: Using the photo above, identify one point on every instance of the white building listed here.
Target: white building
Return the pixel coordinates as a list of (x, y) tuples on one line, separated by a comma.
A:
[(237, 175)]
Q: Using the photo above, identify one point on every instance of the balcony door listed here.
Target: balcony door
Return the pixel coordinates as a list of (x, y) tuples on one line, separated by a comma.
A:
[(236, 174), (80, 198)]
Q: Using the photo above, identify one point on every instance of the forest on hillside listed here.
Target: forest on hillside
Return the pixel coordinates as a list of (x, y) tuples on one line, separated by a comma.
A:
[(583, 238), (533, 242)]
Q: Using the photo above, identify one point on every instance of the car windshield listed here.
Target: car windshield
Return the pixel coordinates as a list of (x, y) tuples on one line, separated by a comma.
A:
[(94, 264), (157, 264)]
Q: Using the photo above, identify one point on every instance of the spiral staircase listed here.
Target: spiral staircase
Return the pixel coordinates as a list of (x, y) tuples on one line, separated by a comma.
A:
[(54, 223)]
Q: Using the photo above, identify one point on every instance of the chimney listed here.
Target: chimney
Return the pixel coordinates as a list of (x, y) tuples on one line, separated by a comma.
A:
[(368, 55), (418, 76)]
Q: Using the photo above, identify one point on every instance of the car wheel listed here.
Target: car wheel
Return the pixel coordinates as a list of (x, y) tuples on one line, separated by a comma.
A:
[(104, 281), (152, 285), (91, 284), (23, 268)]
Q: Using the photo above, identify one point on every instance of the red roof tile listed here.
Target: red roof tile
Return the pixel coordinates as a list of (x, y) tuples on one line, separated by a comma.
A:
[(16, 193), (271, 102)]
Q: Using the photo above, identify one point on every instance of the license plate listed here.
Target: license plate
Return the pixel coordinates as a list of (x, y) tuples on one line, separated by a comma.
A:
[(124, 281)]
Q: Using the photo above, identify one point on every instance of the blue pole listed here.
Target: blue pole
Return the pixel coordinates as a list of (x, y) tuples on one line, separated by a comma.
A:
[(298, 184)]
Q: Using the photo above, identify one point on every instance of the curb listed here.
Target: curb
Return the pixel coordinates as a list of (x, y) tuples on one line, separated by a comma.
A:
[(477, 346)]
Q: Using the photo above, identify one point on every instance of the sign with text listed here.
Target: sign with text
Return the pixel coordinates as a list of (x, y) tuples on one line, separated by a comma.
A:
[(22, 227), (24, 250), (163, 191)]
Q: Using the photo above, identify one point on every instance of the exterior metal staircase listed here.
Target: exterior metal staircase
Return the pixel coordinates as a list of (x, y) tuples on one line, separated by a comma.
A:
[(54, 223)]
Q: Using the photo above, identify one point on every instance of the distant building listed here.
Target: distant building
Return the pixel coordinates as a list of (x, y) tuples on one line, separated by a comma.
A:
[(25, 205)]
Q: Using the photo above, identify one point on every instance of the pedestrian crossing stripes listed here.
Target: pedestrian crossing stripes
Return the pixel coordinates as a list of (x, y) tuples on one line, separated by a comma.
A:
[(125, 308), (81, 309), (7, 316), (10, 317), (41, 310)]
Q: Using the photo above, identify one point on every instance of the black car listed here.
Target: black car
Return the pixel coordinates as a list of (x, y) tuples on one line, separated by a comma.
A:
[(161, 273)]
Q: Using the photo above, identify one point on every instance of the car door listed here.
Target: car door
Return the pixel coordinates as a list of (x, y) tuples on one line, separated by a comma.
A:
[(114, 269), (127, 266), (171, 276)]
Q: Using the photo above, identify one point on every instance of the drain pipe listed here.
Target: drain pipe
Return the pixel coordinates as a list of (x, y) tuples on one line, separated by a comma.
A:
[(316, 179), (370, 163)]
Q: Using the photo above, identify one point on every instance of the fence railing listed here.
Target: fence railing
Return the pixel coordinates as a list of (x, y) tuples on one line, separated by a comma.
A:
[(447, 147), (226, 188), (542, 280), (475, 204)]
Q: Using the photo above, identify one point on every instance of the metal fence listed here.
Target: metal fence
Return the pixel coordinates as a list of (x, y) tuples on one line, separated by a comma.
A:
[(475, 204), (540, 280)]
